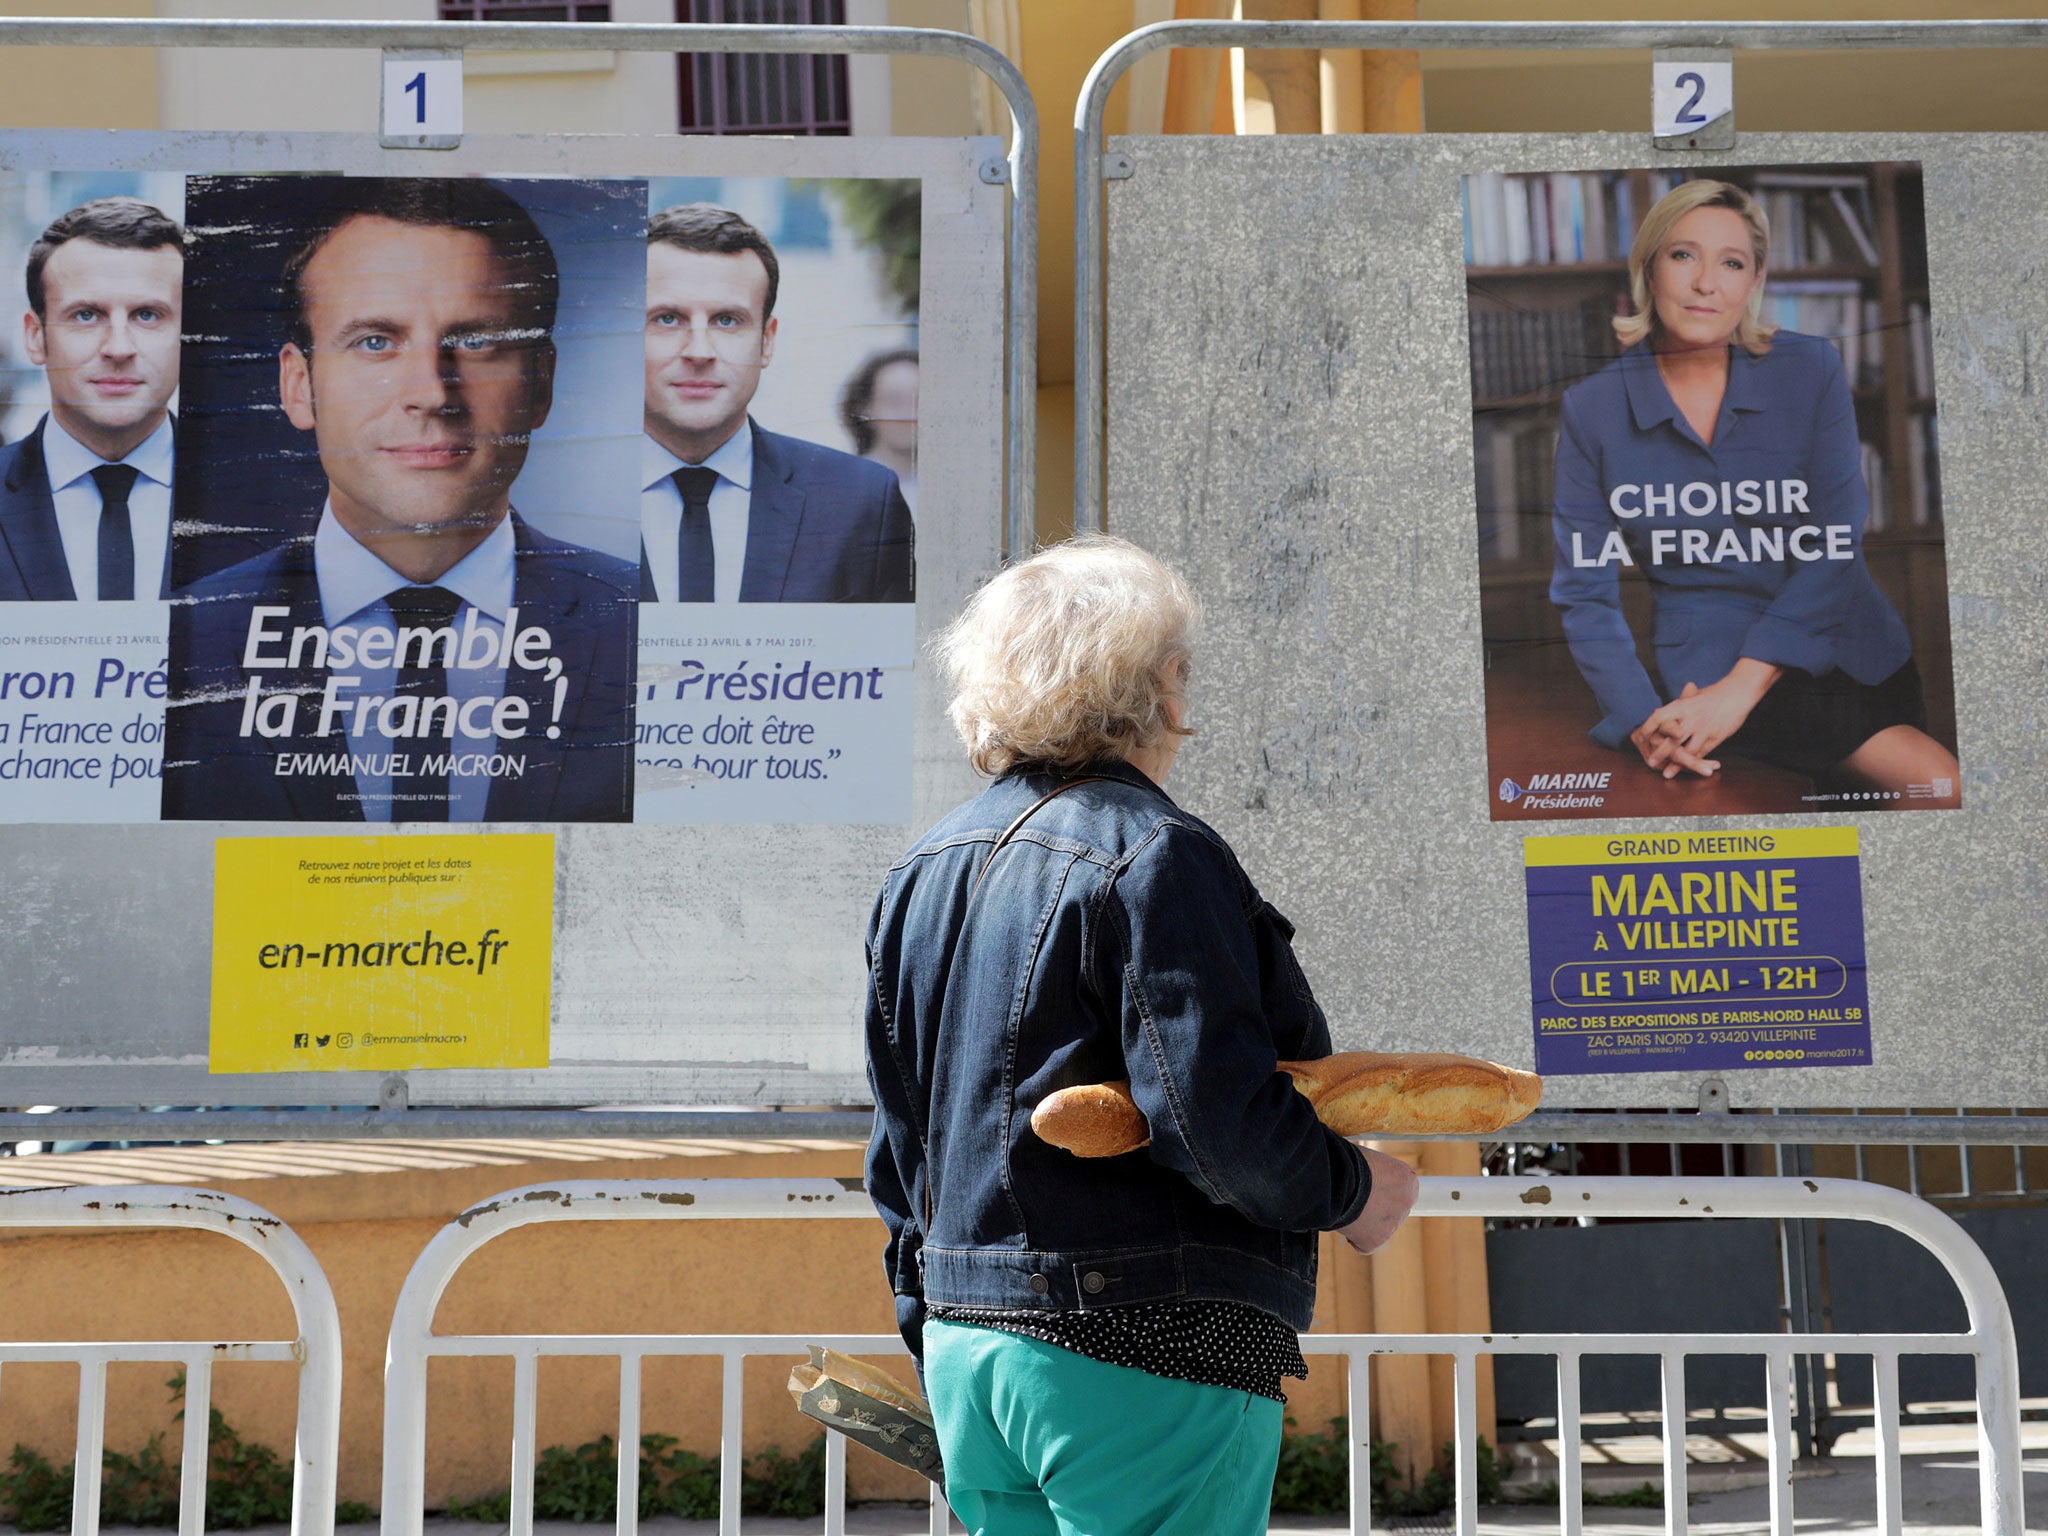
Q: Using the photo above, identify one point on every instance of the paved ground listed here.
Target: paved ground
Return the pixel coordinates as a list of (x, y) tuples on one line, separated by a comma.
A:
[(1941, 1500)]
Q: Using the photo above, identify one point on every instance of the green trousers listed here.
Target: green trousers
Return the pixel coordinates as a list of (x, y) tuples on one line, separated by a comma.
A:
[(1040, 1441)]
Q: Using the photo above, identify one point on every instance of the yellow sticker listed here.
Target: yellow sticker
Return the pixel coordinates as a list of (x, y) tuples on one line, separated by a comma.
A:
[(377, 954), (1696, 847)]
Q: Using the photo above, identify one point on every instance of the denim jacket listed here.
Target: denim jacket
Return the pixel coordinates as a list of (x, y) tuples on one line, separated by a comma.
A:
[(1114, 936)]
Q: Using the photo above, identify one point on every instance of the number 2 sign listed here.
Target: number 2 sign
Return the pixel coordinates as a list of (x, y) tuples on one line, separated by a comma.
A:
[(1689, 97), (422, 100)]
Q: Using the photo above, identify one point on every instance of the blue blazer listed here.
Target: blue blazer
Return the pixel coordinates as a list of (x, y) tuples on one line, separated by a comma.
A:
[(32, 567), (583, 598), (822, 527), (1778, 498)]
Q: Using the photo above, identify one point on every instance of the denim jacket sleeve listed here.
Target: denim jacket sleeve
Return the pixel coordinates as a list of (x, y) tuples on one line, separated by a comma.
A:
[(895, 1163), (1199, 1041)]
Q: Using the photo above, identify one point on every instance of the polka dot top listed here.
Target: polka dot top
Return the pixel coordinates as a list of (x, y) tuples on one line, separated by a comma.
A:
[(1211, 1343)]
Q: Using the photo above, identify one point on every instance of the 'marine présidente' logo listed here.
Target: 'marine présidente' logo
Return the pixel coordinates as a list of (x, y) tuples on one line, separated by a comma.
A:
[(1556, 791), (1553, 782)]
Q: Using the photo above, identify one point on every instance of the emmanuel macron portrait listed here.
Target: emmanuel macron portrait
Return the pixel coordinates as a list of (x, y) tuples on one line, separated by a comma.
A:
[(421, 358), (731, 512), (85, 498)]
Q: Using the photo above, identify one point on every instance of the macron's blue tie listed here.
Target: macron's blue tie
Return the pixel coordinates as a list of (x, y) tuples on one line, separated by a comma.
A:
[(423, 673), (117, 539), (695, 560)]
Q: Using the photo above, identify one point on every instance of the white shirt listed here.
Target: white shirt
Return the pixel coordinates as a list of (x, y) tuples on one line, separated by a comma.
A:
[(661, 513), (76, 494), (353, 585)]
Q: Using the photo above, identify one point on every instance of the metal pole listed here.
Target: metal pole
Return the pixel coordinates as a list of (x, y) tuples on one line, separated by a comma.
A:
[(680, 37), (455, 1124), (1089, 319)]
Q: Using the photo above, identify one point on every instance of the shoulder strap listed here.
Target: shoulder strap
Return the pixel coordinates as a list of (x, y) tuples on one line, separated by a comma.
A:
[(1014, 827)]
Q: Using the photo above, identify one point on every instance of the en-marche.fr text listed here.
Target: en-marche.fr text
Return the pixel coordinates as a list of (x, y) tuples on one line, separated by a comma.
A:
[(425, 951)]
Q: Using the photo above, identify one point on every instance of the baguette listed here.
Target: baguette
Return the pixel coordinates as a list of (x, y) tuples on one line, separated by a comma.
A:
[(1355, 1093)]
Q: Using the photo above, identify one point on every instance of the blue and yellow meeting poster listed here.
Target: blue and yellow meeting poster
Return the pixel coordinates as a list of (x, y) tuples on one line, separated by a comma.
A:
[(1678, 951)]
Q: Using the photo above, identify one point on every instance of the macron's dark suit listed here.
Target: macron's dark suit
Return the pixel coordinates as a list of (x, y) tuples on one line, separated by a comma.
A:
[(582, 598), (32, 565), (822, 527)]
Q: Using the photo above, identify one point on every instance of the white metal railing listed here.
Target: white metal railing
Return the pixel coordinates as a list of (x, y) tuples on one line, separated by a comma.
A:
[(414, 1343), (1988, 1340), (317, 1349)]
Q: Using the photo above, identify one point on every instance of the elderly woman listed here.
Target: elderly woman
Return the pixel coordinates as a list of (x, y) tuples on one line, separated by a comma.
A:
[(1103, 1341)]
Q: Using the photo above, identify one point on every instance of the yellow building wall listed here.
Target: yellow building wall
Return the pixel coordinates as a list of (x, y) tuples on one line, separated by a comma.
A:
[(931, 97), (1850, 91), (366, 1227), (77, 87)]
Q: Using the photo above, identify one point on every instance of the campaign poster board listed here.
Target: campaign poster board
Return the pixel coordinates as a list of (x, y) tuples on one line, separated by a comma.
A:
[(707, 961), (1290, 420), (1707, 468)]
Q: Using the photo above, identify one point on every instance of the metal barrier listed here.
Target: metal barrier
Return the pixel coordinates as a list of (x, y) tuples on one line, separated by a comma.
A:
[(1768, 1127), (1988, 1340), (317, 1349), (414, 1342), (1090, 168)]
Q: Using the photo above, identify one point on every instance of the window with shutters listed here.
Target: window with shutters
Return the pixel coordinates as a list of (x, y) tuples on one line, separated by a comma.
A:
[(792, 93), (526, 10)]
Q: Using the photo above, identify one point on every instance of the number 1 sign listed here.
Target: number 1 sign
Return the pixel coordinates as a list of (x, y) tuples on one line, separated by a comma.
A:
[(422, 99)]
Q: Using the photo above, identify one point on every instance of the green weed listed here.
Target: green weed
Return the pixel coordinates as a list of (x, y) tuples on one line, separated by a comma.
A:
[(581, 1484), (1314, 1477)]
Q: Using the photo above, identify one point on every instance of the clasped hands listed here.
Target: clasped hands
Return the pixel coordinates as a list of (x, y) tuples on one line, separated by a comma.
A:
[(1682, 735)]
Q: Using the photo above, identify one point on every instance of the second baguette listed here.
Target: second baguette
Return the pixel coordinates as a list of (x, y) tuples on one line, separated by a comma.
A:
[(1414, 1093), (1355, 1093)]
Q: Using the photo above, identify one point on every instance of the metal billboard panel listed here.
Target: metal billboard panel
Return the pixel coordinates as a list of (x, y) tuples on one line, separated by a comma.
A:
[(1289, 418), (694, 964)]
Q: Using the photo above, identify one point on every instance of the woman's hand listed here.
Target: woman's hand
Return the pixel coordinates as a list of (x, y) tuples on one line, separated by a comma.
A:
[(1665, 753), (1700, 719), (1394, 1188)]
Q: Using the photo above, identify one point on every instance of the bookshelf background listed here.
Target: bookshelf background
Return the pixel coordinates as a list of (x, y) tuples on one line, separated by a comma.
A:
[(1547, 270)]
